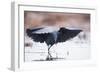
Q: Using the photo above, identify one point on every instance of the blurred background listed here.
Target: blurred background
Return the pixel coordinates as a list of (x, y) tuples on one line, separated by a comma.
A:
[(72, 20)]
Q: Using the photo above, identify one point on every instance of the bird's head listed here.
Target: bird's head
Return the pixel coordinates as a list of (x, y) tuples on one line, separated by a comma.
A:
[(62, 29)]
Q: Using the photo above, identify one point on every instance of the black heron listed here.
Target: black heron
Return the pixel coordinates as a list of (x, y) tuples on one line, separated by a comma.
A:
[(52, 38)]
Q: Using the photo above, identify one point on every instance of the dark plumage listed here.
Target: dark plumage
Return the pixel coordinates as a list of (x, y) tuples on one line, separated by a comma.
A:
[(52, 38)]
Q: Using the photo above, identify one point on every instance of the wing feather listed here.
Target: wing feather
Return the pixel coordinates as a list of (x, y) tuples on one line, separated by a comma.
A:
[(66, 34), (48, 38)]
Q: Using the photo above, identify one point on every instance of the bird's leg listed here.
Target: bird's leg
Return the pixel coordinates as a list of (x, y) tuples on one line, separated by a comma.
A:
[(49, 52), (49, 57)]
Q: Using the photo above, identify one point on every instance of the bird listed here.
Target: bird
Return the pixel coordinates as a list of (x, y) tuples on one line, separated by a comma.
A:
[(61, 35)]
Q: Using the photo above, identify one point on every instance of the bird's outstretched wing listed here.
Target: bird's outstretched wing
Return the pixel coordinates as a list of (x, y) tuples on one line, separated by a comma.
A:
[(66, 34), (37, 37)]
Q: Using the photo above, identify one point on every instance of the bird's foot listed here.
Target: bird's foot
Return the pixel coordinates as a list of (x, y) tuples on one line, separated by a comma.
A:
[(49, 59)]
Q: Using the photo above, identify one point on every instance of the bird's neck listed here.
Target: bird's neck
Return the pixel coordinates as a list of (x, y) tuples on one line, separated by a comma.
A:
[(55, 34)]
